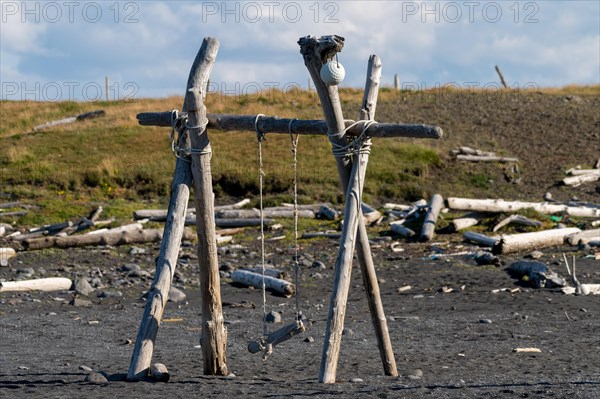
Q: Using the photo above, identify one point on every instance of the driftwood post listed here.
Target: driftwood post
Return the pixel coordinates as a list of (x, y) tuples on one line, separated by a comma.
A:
[(365, 259), (316, 52), (214, 335), (435, 206), (501, 76)]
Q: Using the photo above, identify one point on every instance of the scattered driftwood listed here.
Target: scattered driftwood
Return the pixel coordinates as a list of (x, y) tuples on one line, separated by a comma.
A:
[(400, 229), (237, 205), (469, 154), (137, 236), (80, 117), (530, 241), (517, 219), (536, 274), (275, 273), (462, 223), (396, 207), (5, 255), (159, 372), (579, 172), (581, 179), (13, 214), (40, 284), (435, 206), (498, 205), (248, 278), (480, 239), (583, 237), (323, 234), (478, 158), (267, 212), (267, 343), (156, 215)]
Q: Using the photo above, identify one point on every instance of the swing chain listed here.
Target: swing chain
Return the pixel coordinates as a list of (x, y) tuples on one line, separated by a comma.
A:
[(294, 142), (179, 123), (260, 137)]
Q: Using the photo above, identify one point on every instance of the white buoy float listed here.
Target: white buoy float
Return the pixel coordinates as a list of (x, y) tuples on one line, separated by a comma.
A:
[(332, 73)]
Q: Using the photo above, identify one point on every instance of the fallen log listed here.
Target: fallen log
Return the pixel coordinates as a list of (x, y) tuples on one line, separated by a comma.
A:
[(530, 241), (400, 229), (248, 278), (578, 172), (485, 158), (157, 215), (328, 213), (517, 219), (138, 236), (581, 179), (267, 212), (319, 234), (462, 223), (39, 284), (231, 223), (498, 205), (435, 206), (159, 372), (275, 273), (471, 151), (583, 237), (64, 121), (480, 239), (15, 213)]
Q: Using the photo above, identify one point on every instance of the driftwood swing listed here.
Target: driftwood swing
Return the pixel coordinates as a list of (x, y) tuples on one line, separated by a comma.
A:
[(351, 143)]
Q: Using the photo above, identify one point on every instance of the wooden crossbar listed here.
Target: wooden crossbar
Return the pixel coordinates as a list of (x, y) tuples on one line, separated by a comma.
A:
[(274, 124)]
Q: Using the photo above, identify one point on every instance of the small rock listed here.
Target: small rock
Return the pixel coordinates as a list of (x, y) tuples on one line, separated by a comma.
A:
[(309, 339), (227, 267), (416, 374), (176, 295), (96, 378), (273, 317), (78, 302), (85, 368), (130, 267), (381, 280), (535, 255), (25, 272), (316, 275), (418, 296), (110, 294), (82, 287), (23, 368), (96, 282), (548, 196), (485, 321), (318, 265), (404, 288), (137, 251), (138, 273), (584, 310), (348, 332), (356, 379)]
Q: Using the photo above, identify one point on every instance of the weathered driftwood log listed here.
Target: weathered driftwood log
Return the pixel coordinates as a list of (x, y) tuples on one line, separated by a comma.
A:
[(581, 179), (249, 278), (39, 284), (159, 291), (273, 124), (396, 207), (579, 172), (275, 273), (231, 223), (213, 337), (529, 241), (237, 205), (583, 237), (470, 151), (120, 229), (399, 228), (116, 238), (498, 205), (480, 239), (157, 215), (485, 158), (435, 206), (266, 344), (268, 213), (517, 219), (5, 255), (323, 234), (64, 121), (12, 214), (462, 223), (159, 372)]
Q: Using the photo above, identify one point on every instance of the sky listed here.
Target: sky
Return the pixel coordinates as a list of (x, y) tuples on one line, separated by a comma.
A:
[(63, 50)]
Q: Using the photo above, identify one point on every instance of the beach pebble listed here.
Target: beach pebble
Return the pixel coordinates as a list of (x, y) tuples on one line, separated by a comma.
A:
[(318, 265), (82, 287), (416, 374), (176, 295), (309, 339), (96, 378), (348, 332), (130, 267), (110, 294), (485, 321), (85, 368), (356, 379), (137, 251), (273, 317)]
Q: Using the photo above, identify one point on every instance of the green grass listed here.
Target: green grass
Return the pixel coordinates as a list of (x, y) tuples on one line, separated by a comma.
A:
[(111, 160)]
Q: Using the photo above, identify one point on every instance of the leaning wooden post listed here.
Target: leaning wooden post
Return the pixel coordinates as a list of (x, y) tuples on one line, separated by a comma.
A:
[(165, 266), (501, 76), (159, 291), (365, 259), (214, 335), (316, 52)]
